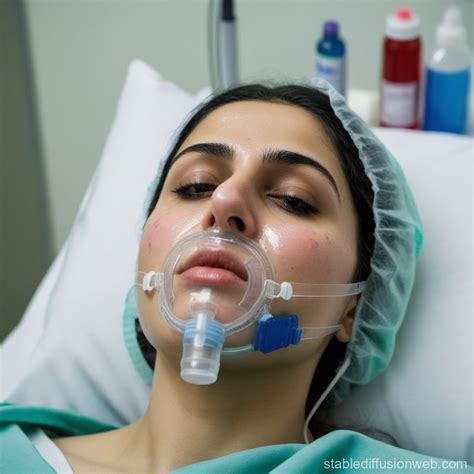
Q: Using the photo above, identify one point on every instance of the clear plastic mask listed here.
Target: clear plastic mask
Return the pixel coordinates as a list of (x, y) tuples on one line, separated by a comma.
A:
[(214, 284)]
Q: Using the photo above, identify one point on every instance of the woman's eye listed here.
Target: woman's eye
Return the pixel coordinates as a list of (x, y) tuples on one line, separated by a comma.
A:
[(195, 190), (295, 205), (288, 202)]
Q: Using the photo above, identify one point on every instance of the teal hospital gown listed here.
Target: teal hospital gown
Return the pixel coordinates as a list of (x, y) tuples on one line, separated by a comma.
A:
[(338, 451)]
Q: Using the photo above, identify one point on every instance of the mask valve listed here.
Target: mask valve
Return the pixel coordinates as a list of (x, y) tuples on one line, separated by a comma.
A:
[(203, 340)]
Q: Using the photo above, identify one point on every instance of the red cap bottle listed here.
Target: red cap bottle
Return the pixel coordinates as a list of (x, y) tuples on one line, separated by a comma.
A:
[(401, 77)]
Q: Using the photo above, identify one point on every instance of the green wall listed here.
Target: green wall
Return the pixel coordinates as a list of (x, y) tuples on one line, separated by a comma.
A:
[(25, 246)]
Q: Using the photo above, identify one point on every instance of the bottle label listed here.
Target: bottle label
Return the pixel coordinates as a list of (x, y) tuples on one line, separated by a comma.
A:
[(399, 104), (331, 69)]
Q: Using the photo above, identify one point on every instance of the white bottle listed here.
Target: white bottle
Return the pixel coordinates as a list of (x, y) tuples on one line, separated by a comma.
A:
[(447, 77)]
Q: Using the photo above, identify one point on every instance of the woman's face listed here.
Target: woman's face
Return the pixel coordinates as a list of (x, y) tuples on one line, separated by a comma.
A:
[(266, 171)]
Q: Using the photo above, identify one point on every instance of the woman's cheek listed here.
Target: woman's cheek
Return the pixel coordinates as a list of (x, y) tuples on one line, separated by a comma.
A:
[(311, 256), (160, 234), (151, 235), (157, 236), (315, 257)]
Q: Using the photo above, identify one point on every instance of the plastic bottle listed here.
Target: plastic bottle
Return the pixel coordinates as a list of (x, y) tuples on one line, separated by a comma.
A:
[(400, 87), (330, 57), (447, 77)]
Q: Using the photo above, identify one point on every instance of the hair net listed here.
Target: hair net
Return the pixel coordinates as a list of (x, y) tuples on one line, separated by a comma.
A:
[(398, 239)]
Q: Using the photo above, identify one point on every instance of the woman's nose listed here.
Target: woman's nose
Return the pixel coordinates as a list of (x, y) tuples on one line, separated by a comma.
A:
[(232, 208)]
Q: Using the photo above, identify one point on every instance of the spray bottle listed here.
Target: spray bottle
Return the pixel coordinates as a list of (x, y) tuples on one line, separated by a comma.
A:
[(447, 77), (400, 86)]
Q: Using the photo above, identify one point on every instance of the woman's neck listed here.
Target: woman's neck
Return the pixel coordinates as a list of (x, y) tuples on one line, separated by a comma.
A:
[(185, 423)]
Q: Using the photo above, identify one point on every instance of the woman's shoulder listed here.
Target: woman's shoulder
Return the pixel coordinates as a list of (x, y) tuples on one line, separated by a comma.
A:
[(89, 453), (61, 422), (74, 432)]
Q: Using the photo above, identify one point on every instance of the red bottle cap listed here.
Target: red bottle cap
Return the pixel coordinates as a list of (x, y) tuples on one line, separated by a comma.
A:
[(403, 25)]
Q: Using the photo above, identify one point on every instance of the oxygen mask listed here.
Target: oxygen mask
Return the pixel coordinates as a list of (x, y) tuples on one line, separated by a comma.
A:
[(215, 284)]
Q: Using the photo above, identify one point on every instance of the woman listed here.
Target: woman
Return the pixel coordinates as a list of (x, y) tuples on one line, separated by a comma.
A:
[(295, 173)]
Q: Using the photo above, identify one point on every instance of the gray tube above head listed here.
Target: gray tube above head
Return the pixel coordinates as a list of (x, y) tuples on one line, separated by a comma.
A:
[(228, 66), (223, 48)]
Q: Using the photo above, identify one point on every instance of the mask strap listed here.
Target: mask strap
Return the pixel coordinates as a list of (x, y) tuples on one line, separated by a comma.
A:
[(150, 281), (311, 290), (318, 332), (320, 400), (287, 290)]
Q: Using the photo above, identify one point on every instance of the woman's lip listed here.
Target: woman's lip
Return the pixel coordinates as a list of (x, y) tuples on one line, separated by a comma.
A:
[(217, 260), (200, 275)]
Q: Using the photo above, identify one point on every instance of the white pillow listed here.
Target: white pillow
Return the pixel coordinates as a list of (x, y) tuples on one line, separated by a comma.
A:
[(423, 399), (81, 363)]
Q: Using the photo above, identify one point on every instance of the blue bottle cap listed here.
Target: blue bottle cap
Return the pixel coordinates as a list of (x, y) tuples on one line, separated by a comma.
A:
[(331, 28)]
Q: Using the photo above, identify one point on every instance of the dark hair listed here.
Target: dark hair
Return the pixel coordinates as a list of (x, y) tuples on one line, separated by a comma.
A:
[(317, 103)]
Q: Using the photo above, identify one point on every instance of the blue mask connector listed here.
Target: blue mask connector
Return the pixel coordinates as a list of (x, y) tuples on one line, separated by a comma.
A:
[(275, 333)]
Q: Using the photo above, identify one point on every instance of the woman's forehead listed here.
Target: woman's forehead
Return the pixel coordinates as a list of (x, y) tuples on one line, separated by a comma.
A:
[(262, 124), (259, 120)]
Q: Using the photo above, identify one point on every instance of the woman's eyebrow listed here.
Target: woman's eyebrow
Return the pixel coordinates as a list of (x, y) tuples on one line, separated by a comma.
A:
[(285, 157), (215, 149), (281, 157)]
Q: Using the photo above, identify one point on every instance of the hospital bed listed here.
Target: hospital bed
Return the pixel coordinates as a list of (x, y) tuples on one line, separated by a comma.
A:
[(69, 351)]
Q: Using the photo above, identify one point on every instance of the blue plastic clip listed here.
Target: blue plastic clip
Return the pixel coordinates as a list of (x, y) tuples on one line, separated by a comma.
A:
[(275, 333)]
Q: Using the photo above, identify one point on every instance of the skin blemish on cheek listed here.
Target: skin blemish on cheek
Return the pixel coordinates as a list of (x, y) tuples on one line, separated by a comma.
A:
[(313, 245), (151, 233), (156, 224), (328, 240)]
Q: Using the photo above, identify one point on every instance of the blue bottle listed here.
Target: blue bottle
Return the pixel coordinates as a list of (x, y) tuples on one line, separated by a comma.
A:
[(447, 77), (331, 57)]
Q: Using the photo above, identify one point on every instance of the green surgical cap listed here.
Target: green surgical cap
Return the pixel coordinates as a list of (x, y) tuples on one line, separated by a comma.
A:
[(398, 240)]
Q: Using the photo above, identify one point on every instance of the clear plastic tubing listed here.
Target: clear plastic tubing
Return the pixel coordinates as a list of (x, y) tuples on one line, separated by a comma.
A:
[(400, 85)]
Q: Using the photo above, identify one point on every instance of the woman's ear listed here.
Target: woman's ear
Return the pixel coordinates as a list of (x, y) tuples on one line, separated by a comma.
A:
[(344, 334)]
